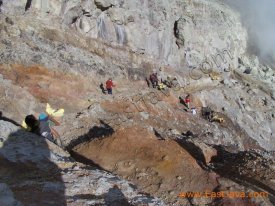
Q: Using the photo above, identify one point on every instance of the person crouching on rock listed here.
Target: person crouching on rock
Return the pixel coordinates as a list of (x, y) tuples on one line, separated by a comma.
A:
[(109, 86), (42, 127)]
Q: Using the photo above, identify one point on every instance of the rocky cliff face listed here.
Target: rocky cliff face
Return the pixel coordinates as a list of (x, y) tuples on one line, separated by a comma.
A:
[(60, 51), (176, 33)]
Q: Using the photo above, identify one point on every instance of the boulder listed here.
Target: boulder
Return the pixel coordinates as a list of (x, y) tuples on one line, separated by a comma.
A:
[(103, 4), (117, 15)]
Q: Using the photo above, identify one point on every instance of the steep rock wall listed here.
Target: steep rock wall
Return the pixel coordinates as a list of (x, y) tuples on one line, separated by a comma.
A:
[(182, 34)]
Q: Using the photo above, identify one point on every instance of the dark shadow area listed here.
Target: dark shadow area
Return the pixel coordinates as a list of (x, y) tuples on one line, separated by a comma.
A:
[(74, 19), (103, 90), (28, 5), (193, 150), (206, 113), (87, 197), (84, 160), (226, 164), (1, 3), (27, 169), (115, 197), (188, 134), (96, 132), (176, 32), (158, 135), (190, 199), (8, 120)]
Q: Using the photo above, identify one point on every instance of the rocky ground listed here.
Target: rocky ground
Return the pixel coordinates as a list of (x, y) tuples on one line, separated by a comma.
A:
[(139, 143), (35, 171)]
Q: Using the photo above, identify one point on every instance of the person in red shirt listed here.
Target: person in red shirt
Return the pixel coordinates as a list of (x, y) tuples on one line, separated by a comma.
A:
[(187, 101), (109, 86)]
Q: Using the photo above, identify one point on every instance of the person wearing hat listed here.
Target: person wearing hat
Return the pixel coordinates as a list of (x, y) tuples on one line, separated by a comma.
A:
[(43, 126)]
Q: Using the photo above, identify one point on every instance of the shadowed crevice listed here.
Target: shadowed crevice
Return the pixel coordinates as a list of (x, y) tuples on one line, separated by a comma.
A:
[(96, 132), (227, 165), (194, 151), (28, 5)]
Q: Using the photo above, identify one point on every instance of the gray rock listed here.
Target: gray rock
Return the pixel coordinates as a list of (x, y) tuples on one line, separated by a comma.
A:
[(273, 95), (7, 197), (24, 148), (103, 4), (145, 115), (247, 70)]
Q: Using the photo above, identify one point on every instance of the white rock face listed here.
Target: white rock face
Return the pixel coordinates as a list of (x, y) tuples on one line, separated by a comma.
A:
[(246, 110), (185, 34)]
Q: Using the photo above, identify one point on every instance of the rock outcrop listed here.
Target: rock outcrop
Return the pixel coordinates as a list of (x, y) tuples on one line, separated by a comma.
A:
[(161, 30), (32, 165)]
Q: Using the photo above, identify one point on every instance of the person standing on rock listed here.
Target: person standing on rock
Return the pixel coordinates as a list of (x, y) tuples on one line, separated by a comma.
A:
[(109, 86), (187, 101), (154, 79)]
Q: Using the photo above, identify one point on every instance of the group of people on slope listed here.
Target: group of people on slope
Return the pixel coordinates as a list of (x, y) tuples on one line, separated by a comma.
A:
[(160, 81), (157, 80), (206, 112), (43, 125)]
